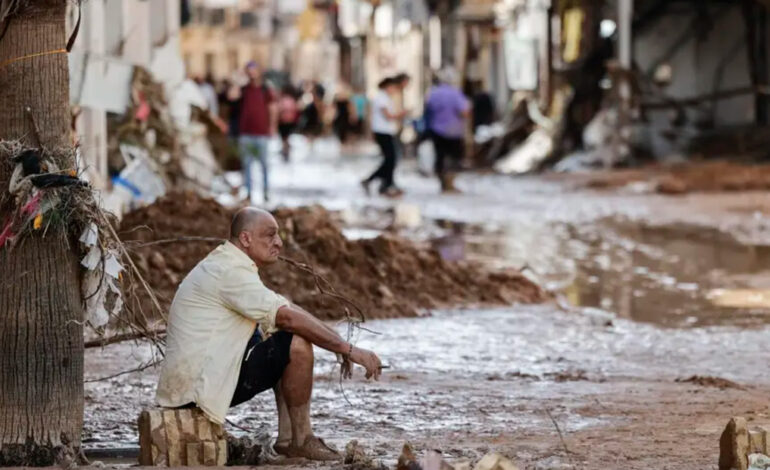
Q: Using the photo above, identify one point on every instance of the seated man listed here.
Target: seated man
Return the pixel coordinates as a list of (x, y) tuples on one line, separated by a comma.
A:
[(230, 338)]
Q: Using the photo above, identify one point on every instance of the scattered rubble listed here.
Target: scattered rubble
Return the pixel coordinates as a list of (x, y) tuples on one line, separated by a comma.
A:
[(716, 382), (387, 276), (356, 458)]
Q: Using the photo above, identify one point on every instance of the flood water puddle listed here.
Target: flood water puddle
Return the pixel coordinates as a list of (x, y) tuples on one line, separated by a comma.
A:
[(673, 276)]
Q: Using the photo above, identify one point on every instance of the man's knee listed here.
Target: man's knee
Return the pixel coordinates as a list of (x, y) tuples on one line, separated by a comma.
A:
[(301, 349)]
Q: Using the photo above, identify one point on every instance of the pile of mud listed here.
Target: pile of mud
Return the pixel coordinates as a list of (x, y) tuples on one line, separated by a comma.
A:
[(691, 177), (387, 276)]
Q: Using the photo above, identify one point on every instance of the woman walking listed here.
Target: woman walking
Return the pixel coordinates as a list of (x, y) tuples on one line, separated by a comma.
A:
[(384, 126), (446, 112)]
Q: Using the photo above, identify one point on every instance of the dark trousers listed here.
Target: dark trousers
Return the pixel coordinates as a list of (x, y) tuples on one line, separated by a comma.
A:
[(385, 172), (454, 148)]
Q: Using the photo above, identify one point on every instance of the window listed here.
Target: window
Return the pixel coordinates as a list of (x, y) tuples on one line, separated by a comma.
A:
[(248, 19), (217, 17)]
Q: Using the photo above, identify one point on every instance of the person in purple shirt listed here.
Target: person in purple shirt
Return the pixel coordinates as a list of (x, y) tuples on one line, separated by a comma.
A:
[(446, 112)]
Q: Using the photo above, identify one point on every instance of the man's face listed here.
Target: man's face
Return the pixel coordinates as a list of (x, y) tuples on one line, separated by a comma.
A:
[(262, 243), (254, 73)]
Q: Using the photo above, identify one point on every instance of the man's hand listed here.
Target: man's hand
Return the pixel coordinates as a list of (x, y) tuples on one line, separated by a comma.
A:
[(368, 360)]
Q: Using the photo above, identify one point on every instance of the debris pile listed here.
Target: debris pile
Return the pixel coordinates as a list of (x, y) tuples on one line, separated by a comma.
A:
[(386, 276)]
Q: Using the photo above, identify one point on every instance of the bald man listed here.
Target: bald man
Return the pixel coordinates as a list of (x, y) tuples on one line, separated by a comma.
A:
[(230, 338)]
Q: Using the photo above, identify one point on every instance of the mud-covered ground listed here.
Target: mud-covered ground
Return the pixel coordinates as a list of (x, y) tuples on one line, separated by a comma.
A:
[(654, 291)]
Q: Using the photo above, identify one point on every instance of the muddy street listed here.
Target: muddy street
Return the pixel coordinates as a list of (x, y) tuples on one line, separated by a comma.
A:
[(656, 338)]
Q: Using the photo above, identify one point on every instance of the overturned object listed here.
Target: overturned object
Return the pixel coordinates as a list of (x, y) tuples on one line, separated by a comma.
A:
[(183, 437)]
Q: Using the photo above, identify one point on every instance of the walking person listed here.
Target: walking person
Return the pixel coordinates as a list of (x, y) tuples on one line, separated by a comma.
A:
[(385, 119), (258, 121), (343, 115), (446, 112), (288, 115), (360, 105)]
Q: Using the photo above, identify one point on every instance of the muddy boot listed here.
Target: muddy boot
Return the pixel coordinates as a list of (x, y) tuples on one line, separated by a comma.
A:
[(314, 449)]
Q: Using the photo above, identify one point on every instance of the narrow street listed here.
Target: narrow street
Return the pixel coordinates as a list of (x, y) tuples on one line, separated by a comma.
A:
[(637, 363)]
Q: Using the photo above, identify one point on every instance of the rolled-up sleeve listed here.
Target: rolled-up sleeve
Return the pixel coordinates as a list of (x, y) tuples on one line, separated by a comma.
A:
[(243, 292)]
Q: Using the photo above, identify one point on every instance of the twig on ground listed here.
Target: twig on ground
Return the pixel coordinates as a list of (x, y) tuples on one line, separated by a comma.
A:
[(98, 343), (561, 438), (142, 367)]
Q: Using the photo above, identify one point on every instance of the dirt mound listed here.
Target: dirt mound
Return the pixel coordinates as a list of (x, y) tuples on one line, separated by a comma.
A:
[(716, 382), (387, 276)]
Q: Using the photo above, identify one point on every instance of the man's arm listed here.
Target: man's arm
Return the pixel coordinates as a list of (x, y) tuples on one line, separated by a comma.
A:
[(296, 320)]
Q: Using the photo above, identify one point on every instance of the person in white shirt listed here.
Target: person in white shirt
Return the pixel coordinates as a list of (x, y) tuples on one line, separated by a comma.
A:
[(230, 337), (385, 121)]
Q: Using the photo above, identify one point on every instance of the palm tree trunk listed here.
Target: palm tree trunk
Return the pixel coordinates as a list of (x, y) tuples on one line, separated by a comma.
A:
[(41, 313)]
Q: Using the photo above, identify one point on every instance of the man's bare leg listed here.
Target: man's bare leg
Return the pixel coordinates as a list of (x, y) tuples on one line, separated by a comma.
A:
[(296, 389), (284, 422)]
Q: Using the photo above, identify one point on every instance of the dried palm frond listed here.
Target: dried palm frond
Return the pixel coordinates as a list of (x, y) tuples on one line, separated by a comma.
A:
[(9, 7)]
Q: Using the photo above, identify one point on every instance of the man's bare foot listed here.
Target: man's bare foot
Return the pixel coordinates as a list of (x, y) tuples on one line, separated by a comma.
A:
[(314, 449)]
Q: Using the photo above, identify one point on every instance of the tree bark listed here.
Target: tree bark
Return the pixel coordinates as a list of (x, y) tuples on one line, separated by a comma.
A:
[(41, 313)]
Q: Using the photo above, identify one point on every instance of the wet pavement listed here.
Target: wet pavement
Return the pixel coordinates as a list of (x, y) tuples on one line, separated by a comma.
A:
[(654, 290)]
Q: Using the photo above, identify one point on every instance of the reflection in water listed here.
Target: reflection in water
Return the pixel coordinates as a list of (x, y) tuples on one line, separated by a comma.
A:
[(674, 275)]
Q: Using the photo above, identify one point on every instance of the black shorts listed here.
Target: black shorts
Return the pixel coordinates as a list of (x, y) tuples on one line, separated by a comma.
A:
[(262, 366)]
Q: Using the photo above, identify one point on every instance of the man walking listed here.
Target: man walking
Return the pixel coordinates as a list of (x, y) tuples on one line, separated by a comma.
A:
[(230, 337), (258, 121)]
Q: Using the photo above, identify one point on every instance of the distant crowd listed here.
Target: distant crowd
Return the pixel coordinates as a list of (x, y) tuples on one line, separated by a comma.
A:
[(251, 111)]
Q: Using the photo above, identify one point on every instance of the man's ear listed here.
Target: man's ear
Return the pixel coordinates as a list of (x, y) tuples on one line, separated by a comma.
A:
[(244, 238)]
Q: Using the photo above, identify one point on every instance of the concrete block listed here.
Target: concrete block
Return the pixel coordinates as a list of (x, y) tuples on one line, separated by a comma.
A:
[(185, 437)]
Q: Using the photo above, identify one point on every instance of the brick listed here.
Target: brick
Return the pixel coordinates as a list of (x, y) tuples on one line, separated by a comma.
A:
[(152, 438), (173, 438), (756, 443), (193, 454), (204, 427), (187, 424), (209, 453), (734, 445), (221, 453), (169, 437)]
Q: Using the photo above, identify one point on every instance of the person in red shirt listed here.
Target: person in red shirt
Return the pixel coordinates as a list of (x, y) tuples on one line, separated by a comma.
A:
[(258, 121)]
